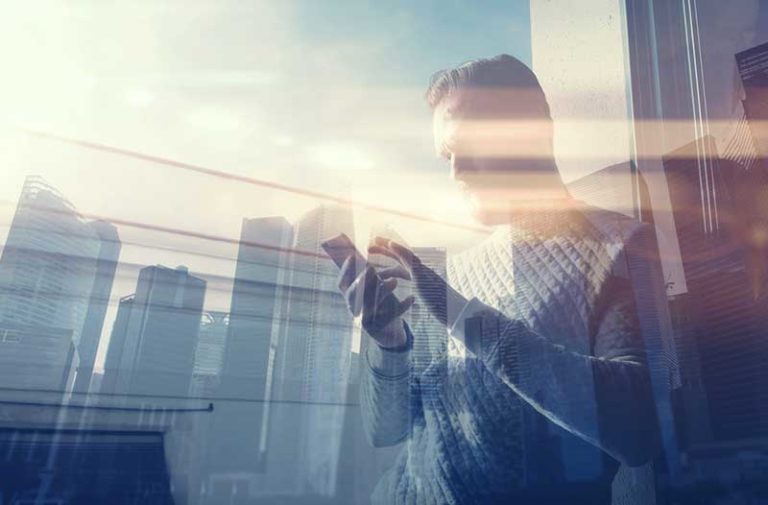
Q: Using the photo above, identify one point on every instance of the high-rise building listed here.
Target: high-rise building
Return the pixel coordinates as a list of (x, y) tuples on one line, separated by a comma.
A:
[(727, 320), (312, 369), (260, 263), (751, 151), (116, 345), (106, 264), (238, 442), (361, 465), (753, 69), (431, 337), (155, 333), (611, 188), (404, 287), (36, 358), (56, 272), (209, 353)]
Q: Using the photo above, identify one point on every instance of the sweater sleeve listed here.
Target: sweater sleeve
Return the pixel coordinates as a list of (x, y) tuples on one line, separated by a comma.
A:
[(387, 394), (604, 398)]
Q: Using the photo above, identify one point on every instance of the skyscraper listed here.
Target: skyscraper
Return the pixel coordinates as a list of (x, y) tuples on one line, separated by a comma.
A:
[(239, 438), (152, 348), (116, 345), (431, 337), (727, 320), (753, 69), (404, 287), (56, 271), (36, 358), (313, 361), (432, 340), (361, 465), (260, 261), (209, 353), (106, 264)]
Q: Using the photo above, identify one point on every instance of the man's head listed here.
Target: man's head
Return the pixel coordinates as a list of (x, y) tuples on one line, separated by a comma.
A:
[(492, 124)]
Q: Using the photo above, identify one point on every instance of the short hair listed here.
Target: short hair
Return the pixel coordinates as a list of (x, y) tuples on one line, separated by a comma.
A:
[(502, 71)]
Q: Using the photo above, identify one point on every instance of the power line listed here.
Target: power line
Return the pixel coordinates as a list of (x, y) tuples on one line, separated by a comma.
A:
[(179, 231), (234, 399), (279, 299), (292, 252), (287, 264), (244, 179), (211, 279), (209, 408)]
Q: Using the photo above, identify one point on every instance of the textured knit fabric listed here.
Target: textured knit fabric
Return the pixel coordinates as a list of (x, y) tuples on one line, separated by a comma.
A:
[(553, 392)]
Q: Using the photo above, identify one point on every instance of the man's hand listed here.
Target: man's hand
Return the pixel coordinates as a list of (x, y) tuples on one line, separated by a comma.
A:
[(442, 300), (368, 293)]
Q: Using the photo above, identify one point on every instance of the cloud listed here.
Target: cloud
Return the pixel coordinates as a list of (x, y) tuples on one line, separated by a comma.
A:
[(340, 156)]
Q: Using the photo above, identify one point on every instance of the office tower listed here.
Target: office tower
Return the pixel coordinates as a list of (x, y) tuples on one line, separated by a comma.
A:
[(36, 358), (611, 188), (152, 348), (753, 69), (430, 336), (209, 353), (325, 371), (727, 321), (106, 264), (116, 345), (96, 381), (361, 466), (56, 271), (618, 188), (239, 437), (431, 339), (751, 150), (404, 287), (261, 258), (313, 361)]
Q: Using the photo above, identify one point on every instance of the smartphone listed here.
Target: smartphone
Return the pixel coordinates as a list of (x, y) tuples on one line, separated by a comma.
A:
[(339, 248)]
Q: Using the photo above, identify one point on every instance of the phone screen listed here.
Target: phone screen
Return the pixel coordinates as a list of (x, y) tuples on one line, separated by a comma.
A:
[(340, 247)]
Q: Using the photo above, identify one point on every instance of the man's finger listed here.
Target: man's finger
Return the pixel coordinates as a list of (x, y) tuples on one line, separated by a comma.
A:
[(403, 252), (385, 313), (347, 273), (384, 289), (358, 293), (398, 272), (377, 249), (405, 305)]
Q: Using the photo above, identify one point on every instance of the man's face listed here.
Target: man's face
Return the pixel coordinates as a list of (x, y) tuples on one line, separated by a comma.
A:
[(496, 155)]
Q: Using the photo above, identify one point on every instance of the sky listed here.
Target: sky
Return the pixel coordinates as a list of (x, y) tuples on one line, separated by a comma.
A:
[(324, 97), (321, 96)]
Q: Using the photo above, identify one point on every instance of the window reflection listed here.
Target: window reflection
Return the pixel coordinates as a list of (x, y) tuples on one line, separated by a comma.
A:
[(173, 331)]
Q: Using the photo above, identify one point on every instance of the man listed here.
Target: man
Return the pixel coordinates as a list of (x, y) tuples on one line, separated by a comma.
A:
[(553, 393)]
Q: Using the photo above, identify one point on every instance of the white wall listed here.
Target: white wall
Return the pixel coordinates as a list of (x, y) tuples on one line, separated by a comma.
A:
[(578, 55)]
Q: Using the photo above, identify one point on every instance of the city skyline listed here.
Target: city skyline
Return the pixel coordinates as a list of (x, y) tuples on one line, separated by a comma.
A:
[(222, 286), (109, 298)]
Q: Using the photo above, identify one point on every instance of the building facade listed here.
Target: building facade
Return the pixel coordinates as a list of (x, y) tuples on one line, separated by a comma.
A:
[(153, 342), (56, 272)]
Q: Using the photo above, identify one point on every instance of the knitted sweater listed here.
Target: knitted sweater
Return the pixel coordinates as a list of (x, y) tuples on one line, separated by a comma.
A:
[(554, 379)]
